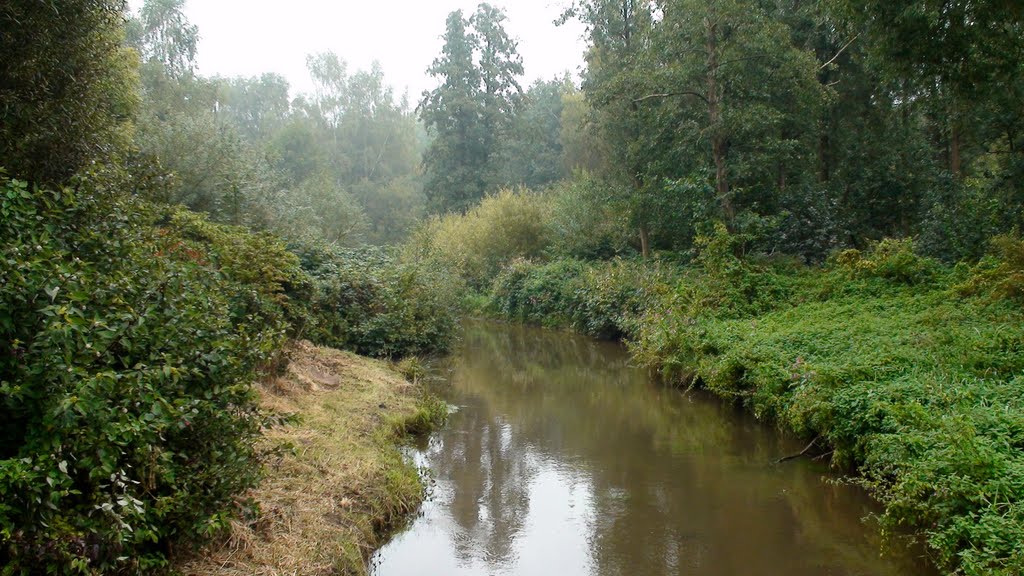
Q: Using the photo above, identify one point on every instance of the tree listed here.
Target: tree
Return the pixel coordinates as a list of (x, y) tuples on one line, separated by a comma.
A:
[(953, 54), (582, 147), (471, 112), (740, 94), (616, 76), (531, 152), (257, 106), (456, 158), (363, 138), (163, 35), (499, 66), (67, 86)]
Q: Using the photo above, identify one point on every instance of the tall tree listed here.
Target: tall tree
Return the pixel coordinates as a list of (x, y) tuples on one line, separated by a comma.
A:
[(500, 66), (729, 72), (456, 158), (67, 86), (616, 77), (163, 34), (531, 152), (471, 111), (257, 106), (363, 138), (954, 54)]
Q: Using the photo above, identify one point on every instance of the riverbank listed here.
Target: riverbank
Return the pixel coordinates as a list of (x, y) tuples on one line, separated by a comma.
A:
[(335, 482), (904, 372)]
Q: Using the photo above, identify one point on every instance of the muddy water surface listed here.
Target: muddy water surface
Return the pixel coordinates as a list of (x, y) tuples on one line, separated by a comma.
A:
[(563, 459)]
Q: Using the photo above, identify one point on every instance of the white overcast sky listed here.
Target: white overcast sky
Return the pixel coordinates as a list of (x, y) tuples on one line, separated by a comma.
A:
[(250, 37)]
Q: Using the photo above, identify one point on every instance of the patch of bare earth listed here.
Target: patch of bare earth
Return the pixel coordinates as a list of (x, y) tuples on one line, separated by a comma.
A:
[(328, 498)]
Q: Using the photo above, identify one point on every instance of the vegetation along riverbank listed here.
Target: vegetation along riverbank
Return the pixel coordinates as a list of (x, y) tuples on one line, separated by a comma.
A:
[(900, 369), (812, 209), (335, 483)]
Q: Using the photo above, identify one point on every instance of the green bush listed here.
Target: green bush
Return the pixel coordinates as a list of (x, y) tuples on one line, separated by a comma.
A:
[(127, 417), (478, 244), (891, 259), (537, 293), (587, 219), (373, 303), (1001, 273), (277, 288), (600, 299)]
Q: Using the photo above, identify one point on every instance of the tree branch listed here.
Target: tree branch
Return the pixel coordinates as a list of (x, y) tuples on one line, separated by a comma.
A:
[(799, 454), (735, 60), (670, 94), (841, 50)]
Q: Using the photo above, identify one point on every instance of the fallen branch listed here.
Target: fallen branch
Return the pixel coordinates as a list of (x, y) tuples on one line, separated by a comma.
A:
[(799, 454), (824, 455)]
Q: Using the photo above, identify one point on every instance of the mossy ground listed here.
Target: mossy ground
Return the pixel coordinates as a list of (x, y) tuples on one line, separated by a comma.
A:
[(336, 482)]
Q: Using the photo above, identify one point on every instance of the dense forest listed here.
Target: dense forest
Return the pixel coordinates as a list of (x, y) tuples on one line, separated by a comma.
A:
[(812, 209)]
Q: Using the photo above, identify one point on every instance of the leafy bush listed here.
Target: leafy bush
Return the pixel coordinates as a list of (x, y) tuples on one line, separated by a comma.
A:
[(891, 259), (128, 418), (370, 302), (963, 216), (478, 244), (587, 220), (537, 293), (600, 299), (278, 289), (1001, 273)]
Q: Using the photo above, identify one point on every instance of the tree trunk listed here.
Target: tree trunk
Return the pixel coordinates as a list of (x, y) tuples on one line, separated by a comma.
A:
[(954, 149), (824, 160), (718, 143), (645, 242)]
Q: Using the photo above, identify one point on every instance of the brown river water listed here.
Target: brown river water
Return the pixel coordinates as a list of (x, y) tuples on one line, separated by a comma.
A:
[(562, 458)]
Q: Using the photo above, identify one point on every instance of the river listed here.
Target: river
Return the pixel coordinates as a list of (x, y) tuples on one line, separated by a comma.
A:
[(564, 459)]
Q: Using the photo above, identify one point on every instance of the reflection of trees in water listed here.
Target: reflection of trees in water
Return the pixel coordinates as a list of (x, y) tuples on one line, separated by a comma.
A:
[(681, 484), (490, 499)]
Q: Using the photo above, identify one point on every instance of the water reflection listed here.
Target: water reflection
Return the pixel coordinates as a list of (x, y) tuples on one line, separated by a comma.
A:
[(563, 459)]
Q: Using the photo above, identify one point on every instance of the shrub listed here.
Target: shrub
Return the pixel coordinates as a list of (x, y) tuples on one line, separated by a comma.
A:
[(278, 289), (587, 220), (478, 244), (1001, 273), (537, 293), (600, 299), (373, 303), (890, 259), (128, 418)]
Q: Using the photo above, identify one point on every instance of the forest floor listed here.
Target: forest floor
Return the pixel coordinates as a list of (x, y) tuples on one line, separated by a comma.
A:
[(335, 483)]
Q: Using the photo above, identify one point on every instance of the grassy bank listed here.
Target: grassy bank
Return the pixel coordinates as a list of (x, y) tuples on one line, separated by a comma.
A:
[(335, 481), (908, 373)]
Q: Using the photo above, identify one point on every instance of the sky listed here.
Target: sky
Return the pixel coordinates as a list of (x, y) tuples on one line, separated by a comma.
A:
[(250, 37)]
